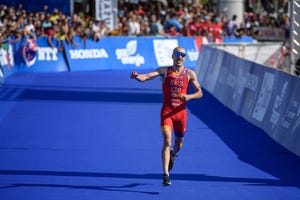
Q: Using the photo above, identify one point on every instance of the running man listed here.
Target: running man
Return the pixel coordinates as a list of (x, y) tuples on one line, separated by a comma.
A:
[(175, 82)]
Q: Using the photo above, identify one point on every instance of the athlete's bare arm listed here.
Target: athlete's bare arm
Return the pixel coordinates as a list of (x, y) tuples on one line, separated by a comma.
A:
[(151, 75), (195, 83)]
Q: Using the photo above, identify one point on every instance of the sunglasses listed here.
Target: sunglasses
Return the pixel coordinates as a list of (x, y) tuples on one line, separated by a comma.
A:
[(178, 54)]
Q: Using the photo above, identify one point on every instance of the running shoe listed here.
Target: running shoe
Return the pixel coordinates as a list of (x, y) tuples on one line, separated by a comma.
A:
[(166, 180)]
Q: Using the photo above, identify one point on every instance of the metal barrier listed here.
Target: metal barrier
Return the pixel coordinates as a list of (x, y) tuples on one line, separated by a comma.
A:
[(295, 37)]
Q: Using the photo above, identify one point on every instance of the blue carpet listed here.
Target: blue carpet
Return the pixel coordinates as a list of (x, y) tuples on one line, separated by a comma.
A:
[(96, 135)]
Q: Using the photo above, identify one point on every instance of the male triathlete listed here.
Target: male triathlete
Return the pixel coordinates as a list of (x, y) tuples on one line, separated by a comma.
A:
[(175, 82)]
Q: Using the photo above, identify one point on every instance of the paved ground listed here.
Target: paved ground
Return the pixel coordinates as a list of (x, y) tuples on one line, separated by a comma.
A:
[(96, 135)]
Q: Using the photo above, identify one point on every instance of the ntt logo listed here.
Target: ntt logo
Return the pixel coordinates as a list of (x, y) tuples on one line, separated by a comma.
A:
[(47, 54), (88, 53)]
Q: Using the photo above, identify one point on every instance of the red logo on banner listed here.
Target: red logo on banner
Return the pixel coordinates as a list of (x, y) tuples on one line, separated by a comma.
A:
[(29, 52)]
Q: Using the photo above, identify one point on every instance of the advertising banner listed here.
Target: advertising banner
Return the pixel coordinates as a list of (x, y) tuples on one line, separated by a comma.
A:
[(264, 96), (47, 59), (32, 56), (106, 10), (275, 120), (270, 34), (124, 53), (7, 60), (208, 75), (245, 82), (1, 76), (292, 117), (226, 80), (110, 53), (243, 39)]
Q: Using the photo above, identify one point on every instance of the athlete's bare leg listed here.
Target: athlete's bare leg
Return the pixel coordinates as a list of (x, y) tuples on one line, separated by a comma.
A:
[(177, 145), (165, 151)]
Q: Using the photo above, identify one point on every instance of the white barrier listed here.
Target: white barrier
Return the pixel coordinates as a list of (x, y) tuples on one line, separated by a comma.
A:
[(271, 54)]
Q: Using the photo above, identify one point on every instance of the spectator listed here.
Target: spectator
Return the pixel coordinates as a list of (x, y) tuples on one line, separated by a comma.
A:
[(48, 30), (2, 35), (144, 24), (96, 28), (55, 16), (62, 30), (39, 32), (71, 35), (29, 27), (123, 26), (134, 27), (140, 11), (171, 31), (133, 19), (172, 22), (179, 10), (45, 9), (157, 27), (241, 30), (194, 27), (217, 30), (206, 25), (15, 33), (105, 31), (232, 26)]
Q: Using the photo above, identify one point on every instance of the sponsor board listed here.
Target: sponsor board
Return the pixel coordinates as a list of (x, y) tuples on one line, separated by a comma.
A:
[(266, 97), (129, 55), (110, 53), (114, 53), (106, 10), (1, 75), (163, 50), (29, 52), (6, 55)]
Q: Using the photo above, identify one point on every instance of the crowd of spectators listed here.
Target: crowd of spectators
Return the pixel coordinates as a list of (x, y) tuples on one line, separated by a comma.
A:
[(141, 18)]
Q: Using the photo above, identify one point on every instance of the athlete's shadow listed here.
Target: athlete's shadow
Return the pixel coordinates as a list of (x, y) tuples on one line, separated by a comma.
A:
[(125, 188), (122, 188), (251, 144), (10, 93)]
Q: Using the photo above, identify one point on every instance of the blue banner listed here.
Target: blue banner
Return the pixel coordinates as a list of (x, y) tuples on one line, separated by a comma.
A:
[(32, 56), (117, 53), (243, 39), (109, 53)]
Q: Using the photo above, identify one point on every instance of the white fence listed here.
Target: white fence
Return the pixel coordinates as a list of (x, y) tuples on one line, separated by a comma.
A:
[(274, 54)]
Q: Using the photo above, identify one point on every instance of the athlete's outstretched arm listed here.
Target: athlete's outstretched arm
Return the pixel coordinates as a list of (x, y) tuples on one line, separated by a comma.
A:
[(148, 76)]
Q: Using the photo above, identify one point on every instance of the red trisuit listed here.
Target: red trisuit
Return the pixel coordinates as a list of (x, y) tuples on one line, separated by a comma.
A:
[(173, 111)]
